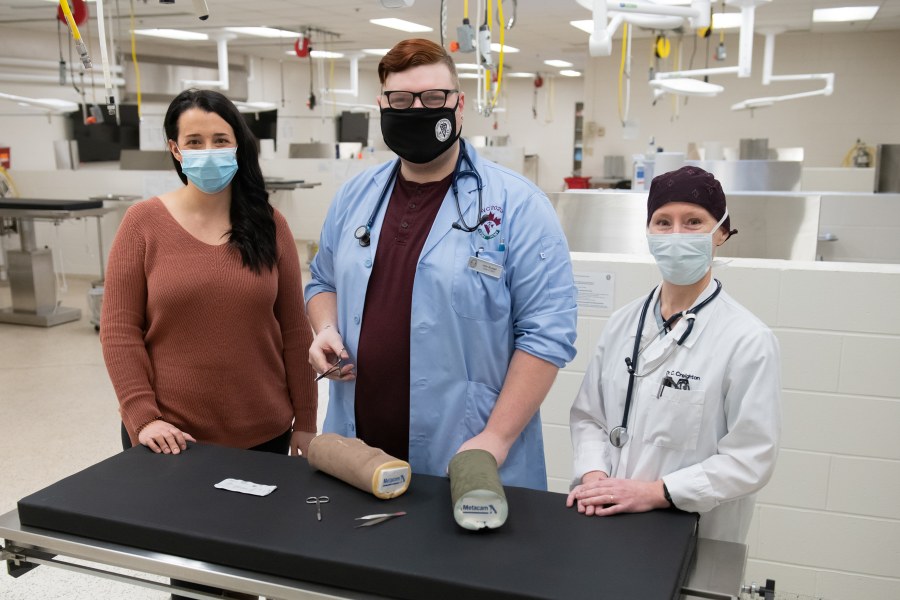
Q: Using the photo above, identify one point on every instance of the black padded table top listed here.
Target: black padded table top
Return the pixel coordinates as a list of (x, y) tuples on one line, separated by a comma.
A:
[(168, 504), (41, 204)]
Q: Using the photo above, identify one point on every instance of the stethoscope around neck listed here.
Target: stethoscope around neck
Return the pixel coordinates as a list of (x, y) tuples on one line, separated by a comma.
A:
[(363, 233), (618, 436)]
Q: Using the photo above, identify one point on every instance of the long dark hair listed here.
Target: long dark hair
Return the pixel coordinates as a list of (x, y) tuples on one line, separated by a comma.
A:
[(252, 222)]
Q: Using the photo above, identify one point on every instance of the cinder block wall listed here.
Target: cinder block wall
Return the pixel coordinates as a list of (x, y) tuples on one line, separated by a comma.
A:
[(828, 523)]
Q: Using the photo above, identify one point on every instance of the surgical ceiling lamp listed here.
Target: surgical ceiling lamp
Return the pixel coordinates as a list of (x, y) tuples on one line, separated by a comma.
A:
[(609, 14), (686, 86)]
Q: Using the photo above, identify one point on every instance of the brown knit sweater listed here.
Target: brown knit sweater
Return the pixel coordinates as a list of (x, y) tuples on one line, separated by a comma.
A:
[(191, 335)]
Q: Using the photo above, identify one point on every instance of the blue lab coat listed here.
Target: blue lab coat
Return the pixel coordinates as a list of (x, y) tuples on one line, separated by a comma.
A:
[(465, 325)]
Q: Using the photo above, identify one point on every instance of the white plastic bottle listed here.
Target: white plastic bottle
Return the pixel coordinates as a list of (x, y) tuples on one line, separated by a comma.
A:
[(638, 180)]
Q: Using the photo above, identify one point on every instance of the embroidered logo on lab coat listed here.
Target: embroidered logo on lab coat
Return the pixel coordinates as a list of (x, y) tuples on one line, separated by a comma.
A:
[(682, 381), (491, 227)]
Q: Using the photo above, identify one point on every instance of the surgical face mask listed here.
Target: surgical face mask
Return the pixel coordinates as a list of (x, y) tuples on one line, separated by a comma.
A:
[(419, 135), (210, 170), (683, 258)]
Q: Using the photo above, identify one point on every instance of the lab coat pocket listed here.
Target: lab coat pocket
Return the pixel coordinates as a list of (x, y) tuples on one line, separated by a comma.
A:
[(480, 401), (477, 295), (674, 418)]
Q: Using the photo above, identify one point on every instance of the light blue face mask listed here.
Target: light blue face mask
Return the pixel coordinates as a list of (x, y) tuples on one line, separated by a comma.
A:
[(210, 170), (683, 258)]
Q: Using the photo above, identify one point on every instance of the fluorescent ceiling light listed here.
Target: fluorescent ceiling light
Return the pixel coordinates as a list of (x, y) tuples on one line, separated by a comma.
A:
[(466, 67), (495, 47), (317, 54), (468, 75), (559, 64), (401, 25), (730, 20), (376, 51), (173, 34), (519, 74), (570, 73), (687, 86), (847, 13), (325, 54), (268, 32), (586, 25)]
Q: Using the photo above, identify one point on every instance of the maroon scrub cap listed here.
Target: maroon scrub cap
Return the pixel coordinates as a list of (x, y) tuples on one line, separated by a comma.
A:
[(689, 184)]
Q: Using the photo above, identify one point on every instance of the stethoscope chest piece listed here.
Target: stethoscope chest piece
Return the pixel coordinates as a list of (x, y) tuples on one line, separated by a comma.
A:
[(618, 437), (362, 234)]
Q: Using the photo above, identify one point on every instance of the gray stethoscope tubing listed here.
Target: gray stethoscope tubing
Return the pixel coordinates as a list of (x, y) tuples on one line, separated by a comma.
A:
[(618, 436), (363, 233), (461, 223)]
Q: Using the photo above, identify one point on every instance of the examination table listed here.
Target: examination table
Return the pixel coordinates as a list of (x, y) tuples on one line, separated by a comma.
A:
[(32, 277), (161, 514)]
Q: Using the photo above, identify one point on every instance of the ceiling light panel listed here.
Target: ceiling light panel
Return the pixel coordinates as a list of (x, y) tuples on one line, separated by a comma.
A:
[(402, 25), (844, 14), (731, 20), (267, 32), (173, 34), (586, 25)]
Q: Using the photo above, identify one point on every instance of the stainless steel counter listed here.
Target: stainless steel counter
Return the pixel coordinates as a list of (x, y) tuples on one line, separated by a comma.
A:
[(771, 224)]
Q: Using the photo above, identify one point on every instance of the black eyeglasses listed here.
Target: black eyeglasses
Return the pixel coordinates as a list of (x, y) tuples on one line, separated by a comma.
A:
[(430, 98)]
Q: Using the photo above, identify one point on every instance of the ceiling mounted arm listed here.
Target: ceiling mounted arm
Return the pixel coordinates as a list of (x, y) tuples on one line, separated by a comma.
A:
[(768, 60), (222, 54)]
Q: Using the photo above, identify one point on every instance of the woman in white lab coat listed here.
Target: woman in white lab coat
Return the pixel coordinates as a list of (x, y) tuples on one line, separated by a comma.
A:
[(688, 415)]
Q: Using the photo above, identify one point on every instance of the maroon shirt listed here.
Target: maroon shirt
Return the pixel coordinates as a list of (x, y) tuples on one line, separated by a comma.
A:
[(382, 381)]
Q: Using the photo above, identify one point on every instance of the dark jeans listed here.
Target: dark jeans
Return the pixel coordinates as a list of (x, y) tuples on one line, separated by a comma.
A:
[(279, 445)]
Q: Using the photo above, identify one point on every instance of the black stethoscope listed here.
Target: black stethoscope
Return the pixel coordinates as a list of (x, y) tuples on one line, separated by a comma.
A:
[(363, 233), (618, 436)]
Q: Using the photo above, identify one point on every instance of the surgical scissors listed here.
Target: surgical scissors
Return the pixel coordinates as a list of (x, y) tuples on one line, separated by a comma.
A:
[(336, 365), (379, 518), (318, 501)]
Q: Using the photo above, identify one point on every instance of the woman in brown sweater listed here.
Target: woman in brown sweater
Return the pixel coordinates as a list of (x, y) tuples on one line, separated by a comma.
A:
[(203, 326)]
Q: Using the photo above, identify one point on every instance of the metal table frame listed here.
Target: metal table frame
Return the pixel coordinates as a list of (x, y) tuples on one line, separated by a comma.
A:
[(25, 219), (718, 566)]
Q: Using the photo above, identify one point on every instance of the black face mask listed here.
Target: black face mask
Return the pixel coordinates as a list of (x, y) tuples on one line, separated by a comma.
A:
[(419, 135)]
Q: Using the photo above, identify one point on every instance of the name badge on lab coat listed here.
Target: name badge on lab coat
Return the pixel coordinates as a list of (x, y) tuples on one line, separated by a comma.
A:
[(485, 267)]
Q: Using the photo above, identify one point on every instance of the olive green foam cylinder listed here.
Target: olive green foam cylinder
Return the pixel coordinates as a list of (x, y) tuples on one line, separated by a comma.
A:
[(479, 501)]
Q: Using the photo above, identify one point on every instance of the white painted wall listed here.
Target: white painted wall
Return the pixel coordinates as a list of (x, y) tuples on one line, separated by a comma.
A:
[(828, 523), (863, 104)]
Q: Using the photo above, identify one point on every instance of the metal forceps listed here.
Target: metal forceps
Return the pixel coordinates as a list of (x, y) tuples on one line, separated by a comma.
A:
[(379, 518), (318, 501)]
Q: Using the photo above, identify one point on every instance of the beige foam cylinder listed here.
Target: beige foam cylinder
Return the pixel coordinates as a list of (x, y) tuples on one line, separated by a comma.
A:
[(353, 461), (476, 490)]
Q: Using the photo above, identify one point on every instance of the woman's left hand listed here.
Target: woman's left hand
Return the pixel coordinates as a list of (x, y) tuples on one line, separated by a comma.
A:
[(611, 496), (300, 442)]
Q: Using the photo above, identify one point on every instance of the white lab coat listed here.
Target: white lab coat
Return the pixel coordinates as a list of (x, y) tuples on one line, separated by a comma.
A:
[(715, 444)]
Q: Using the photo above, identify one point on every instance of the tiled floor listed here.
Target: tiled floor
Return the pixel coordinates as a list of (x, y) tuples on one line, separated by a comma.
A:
[(58, 415)]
